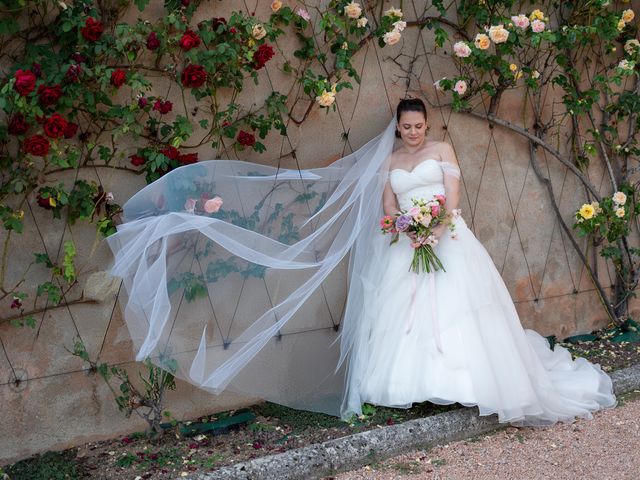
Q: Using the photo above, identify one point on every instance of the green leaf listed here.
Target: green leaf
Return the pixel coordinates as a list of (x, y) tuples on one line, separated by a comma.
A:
[(44, 258), (68, 269)]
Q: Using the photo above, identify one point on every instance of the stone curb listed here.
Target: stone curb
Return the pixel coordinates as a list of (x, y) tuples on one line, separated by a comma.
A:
[(354, 451)]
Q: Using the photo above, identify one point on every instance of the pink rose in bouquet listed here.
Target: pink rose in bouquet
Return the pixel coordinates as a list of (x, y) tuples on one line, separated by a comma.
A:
[(418, 224)]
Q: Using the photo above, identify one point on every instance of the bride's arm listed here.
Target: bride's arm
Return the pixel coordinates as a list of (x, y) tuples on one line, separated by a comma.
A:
[(451, 182), (389, 201)]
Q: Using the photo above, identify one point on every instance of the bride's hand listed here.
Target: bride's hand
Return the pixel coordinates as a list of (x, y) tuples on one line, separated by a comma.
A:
[(439, 230)]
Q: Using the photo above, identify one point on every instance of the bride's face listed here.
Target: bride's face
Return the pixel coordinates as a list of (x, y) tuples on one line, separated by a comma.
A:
[(413, 128)]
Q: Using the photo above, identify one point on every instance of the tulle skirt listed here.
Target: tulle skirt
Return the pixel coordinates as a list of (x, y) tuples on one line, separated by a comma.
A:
[(454, 336)]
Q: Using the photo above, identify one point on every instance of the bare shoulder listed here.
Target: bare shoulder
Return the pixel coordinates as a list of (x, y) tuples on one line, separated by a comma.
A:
[(446, 151), (394, 158)]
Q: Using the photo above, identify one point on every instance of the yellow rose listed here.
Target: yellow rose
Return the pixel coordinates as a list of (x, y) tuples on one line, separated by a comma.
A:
[(513, 67), (276, 5), (621, 24), (518, 75), (628, 15), (536, 15), (326, 99), (586, 211), (482, 41), (620, 212), (353, 10)]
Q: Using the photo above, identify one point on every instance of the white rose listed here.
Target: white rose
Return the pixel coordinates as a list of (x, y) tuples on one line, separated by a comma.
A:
[(395, 12), (461, 49), (392, 37), (619, 198), (631, 46), (438, 86), (399, 25), (353, 10), (362, 22), (258, 31)]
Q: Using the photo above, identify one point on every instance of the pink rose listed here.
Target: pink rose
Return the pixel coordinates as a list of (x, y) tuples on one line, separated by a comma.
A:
[(441, 199), (435, 210), (413, 211), (461, 49), (460, 87), (213, 205), (538, 26), (190, 205)]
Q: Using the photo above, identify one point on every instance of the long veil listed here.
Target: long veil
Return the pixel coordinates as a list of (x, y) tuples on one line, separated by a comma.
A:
[(225, 296)]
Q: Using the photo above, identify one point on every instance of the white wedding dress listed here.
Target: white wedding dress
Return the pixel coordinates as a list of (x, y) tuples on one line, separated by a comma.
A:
[(455, 336)]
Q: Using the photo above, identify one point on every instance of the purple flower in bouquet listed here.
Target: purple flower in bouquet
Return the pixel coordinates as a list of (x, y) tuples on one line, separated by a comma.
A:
[(403, 222)]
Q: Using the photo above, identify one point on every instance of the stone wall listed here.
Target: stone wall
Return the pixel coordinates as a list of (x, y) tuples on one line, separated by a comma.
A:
[(50, 401)]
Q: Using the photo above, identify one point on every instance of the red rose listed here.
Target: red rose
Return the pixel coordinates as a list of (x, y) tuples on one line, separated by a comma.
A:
[(262, 56), (25, 82), (16, 303), (78, 58), (37, 145), (142, 102), (73, 73), (163, 106), (137, 160), (194, 76), (55, 126), (18, 125), (189, 40), (247, 139), (49, 95), (171, 152), (233, 30), (217, 21), (118, 77), (185, 3), (92, 30), (43, 202), (71, 130), (153, 42), (188, 158)]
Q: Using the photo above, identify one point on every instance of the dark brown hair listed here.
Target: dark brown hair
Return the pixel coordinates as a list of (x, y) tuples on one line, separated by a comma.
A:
[(410, 105)]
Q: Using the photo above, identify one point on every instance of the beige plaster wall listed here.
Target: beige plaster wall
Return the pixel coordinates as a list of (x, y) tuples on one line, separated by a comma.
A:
[(56, 403)]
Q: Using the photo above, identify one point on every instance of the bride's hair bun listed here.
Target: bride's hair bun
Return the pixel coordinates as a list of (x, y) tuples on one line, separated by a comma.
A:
[(410, 105)]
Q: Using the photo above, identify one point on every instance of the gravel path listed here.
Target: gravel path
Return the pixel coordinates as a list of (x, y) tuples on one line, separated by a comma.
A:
[(607, 447)]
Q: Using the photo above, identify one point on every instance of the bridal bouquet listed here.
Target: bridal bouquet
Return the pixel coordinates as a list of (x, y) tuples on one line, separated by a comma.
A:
[(418, 224)]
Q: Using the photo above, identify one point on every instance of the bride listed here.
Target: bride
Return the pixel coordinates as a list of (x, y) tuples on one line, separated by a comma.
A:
[(224, 266), (454, 336)]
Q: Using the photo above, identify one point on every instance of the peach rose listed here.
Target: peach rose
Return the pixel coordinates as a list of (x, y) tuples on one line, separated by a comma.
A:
[(498, 34), (353, 10), (276, 5), (258, 31), (213, 204), (482, 41)]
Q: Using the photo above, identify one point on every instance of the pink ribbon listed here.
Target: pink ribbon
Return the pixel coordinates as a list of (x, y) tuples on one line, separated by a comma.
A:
[(434, 307)]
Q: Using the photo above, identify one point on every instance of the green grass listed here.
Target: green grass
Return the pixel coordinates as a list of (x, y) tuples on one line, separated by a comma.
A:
[(49, 466)]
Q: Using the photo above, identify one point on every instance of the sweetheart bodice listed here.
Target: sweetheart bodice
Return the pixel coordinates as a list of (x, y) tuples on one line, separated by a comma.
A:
[(424, 181)]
